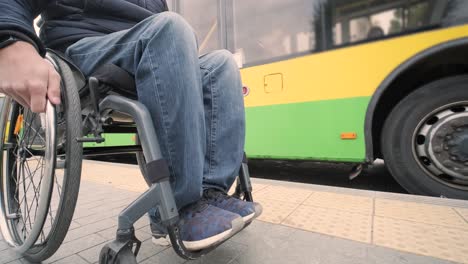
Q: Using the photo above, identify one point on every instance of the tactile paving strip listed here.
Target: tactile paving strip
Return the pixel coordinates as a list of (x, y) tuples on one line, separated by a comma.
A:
[(422, 213), (332, 222), (278, 193), (122, 177), (463, 212), (275, 211), (350, 203), (256, 187), (424, 239)]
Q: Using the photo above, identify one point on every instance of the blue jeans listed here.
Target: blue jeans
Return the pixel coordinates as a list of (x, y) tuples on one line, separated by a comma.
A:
[(196, 103)]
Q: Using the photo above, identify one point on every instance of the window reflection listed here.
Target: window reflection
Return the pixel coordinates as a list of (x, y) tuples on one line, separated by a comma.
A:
[(170, 5), (202, 15), (370, 20), (263, 30)]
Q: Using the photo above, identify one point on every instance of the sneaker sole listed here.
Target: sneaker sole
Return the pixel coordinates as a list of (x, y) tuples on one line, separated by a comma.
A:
[(258, 211), (161, 241), (237, 225)]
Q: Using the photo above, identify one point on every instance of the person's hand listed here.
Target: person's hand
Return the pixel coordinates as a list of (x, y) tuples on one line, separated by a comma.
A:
[(27, 77)]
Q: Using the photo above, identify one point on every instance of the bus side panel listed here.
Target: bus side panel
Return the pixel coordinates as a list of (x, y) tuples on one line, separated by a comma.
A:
[(319, 96), (309, 130)]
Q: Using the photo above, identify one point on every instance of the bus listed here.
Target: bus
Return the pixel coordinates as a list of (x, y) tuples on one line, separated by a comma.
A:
[(351, 81)]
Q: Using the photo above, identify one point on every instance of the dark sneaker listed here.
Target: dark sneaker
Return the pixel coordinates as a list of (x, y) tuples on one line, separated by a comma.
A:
[(203, 225), (248, 210)]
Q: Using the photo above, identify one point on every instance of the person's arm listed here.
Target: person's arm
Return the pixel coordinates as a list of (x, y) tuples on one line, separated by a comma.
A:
[(17, 19), (24, 74)]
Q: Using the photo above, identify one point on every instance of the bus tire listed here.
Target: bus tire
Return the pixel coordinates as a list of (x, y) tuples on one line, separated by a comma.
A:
[(425, 139)]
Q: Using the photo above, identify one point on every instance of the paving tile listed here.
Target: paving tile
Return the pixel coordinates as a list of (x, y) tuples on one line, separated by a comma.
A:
[(350, 203), (425, 239), (110, 233), (3, 244), (259, 232), (90, 229), (257, 187), (463, 212), (110, 203), (417, 212), (19, 261), (275, 211), (91, 254), (223, 254), (142, 222), (109, 213), (8, 255), (149, 249), (305, 247), (318, 243), (114, 175), (381, 255), (132, 188), (333, 222), (263, 249), (164, 257), (279, 193), (76, 246), (73, 259)]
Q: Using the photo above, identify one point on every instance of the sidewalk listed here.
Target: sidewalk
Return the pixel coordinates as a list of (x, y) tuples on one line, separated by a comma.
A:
[(300, 224)]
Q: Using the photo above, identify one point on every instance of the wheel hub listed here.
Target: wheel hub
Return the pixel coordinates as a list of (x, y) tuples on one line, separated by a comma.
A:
[(441, 145), (445, 148), (459, 145)]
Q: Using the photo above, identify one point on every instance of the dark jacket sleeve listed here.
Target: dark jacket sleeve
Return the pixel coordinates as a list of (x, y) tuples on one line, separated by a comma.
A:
[(17, 18)]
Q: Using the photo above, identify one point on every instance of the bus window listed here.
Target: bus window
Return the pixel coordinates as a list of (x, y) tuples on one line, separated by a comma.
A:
[(456, 12), (264, 30), (202, 15), (357, 21)]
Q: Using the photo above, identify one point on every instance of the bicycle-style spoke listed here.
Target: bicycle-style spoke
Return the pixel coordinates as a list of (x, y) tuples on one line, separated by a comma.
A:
[(26, 167), (27, 189), (25, 197), (36, 189)]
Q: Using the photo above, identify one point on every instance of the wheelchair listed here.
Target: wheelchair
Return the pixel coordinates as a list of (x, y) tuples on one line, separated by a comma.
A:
[(42, 158)]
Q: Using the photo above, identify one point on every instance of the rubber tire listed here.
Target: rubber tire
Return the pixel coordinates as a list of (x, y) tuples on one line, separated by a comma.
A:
[(72, 174), (396, 140)]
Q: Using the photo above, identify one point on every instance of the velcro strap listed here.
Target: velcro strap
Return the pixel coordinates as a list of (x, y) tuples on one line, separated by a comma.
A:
[(157, 171)]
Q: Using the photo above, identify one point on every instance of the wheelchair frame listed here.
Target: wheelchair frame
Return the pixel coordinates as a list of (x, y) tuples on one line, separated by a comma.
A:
[(99, 120)]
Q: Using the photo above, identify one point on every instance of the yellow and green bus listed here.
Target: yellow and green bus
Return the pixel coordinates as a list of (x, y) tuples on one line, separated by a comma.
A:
[(351, 81)]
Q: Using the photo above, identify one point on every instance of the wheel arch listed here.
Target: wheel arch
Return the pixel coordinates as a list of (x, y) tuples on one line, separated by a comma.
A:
[(443, 60)]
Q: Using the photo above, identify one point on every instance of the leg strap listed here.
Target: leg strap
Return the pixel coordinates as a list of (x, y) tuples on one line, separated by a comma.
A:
[(157, 171)]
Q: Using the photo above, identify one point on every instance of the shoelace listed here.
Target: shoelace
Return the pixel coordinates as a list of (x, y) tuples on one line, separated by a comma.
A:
[(198, 207), (217, 196)]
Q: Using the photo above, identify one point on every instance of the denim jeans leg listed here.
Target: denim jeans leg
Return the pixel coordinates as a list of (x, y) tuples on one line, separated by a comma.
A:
[(161, 52), (224, 119)]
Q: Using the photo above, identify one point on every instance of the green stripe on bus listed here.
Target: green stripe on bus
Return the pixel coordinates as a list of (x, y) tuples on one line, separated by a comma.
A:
[(119, 139), (309, 130)]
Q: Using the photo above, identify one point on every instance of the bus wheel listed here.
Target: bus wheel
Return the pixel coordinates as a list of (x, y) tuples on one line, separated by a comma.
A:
[(425, 139)]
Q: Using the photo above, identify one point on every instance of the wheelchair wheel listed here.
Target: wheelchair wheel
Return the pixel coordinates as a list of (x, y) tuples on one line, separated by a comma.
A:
[(37, 197)]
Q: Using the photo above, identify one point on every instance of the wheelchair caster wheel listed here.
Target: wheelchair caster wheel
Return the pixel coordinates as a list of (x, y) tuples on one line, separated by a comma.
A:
[(125, 256)]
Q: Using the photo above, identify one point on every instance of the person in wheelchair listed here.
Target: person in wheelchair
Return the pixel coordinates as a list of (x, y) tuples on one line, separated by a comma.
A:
[(195, 102)]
